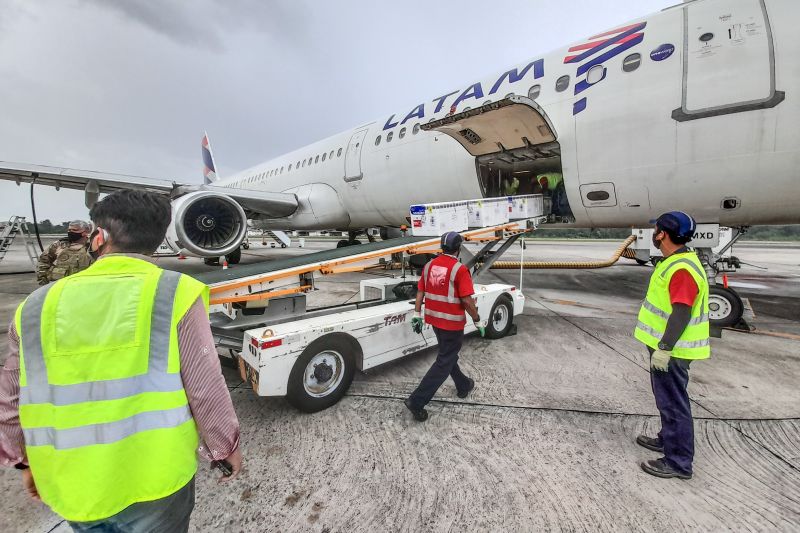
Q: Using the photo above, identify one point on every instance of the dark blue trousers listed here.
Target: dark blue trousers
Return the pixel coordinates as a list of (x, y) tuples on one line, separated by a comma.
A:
[(446, 364), (677, 426)]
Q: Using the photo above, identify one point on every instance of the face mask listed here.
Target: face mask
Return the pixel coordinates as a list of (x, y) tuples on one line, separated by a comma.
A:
[(656, 243), (97, 240), (74, 237)]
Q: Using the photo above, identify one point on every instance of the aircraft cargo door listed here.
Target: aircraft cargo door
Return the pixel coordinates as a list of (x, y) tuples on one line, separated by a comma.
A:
[(352, 158), (728, 59)]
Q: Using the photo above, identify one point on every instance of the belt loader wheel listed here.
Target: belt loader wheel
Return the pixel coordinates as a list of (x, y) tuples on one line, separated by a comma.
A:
[(322, 373), (501, 318), (725, 307)]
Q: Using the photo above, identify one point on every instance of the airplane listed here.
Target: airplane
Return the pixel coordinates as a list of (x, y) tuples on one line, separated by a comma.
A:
[(692, 108)]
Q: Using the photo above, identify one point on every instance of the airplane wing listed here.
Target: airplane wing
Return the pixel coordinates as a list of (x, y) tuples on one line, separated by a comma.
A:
[(271, 204)]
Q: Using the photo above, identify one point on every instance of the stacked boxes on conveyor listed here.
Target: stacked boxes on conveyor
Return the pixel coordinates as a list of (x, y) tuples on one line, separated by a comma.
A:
[(432, 220)]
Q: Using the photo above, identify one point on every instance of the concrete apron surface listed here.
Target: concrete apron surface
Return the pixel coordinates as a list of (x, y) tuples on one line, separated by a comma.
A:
[(544, 443)]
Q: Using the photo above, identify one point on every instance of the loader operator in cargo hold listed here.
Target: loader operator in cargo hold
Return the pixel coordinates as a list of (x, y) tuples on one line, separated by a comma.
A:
[(111, 377), (446, 287), (673, 324)]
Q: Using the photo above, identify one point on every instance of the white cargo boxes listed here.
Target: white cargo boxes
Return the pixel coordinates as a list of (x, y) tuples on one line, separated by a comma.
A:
[(525, 206), (432, 220), (487, 212)]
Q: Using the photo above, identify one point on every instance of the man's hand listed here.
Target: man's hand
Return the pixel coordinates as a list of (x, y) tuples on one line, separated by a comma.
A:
[(660, 360), (29, 485), (235, 460), (416, 323)]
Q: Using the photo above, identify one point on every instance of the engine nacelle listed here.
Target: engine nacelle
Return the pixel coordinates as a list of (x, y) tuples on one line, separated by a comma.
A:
[(207, 224)]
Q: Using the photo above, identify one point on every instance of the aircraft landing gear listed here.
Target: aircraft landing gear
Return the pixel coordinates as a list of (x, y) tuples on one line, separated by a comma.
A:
[(725, 306), (351, 240)]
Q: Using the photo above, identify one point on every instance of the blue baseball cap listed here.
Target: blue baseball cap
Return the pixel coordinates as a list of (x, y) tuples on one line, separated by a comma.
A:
[(676, 222), (451, 241)]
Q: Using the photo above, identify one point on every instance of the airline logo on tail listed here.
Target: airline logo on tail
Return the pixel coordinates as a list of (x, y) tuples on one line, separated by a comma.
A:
[(596, 51), (209, 170)]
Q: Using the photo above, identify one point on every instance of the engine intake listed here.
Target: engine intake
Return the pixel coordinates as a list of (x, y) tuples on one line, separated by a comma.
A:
[(208, 224)]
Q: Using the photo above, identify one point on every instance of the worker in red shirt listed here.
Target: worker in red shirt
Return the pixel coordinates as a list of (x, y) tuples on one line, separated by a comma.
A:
[(673, 324), (446, 287)]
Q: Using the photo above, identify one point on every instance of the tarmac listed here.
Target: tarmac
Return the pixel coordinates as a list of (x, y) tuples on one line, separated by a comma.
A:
[(546, 440)]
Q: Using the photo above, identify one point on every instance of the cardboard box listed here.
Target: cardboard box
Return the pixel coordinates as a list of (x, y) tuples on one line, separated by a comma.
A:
[(433, 220), (487, 212), (525, 206)]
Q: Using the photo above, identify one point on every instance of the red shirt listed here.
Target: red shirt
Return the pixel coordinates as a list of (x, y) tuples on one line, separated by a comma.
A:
[(437, 284), (682, 288)]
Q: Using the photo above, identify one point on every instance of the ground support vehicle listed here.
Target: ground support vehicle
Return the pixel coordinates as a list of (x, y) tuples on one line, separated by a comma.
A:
[(310, 356)]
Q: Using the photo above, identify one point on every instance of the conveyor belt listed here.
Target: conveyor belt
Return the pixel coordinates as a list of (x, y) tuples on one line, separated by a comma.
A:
[(274, 265)]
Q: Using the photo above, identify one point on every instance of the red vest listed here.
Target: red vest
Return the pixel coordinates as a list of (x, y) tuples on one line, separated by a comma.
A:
[(443, 308)]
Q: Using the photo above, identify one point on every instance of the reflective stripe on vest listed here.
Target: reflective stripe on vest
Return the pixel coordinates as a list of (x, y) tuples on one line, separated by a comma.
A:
[(694, 342)]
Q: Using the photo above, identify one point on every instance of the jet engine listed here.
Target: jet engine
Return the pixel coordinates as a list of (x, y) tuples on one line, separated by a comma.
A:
[(207, 224)]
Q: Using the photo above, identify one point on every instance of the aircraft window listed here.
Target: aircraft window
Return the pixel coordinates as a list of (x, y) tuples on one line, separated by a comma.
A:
[(304, 162), (339, 153), (281, 170), (331, 156), (597, 196), (389, 136), (562, 83), (377, 140), (290, 167), (324, 156), (402, 133), (297, 165), (631, 62), (509, 95), (415, 130), (534, 91), (595, 74), (316, 160)]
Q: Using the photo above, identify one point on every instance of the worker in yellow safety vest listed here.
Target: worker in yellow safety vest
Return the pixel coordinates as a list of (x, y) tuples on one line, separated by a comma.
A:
[(673, 324), (117, 375)]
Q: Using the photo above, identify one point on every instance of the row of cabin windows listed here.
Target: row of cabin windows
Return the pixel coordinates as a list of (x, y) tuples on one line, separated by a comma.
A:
[(276, 171), (400, 134)]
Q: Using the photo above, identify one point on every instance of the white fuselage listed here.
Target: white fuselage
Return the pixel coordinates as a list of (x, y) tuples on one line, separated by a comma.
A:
[(705, 121)]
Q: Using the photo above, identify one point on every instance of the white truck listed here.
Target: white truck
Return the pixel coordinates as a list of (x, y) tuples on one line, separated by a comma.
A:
[(311, 361)]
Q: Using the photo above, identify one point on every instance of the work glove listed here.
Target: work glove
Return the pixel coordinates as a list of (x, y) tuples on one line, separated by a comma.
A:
[(416, 323), (660, 360), (481, 326)]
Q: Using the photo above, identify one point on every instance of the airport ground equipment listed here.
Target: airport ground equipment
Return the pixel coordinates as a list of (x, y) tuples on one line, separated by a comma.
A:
[(258, 312), (714, 245), (17, 226), (279, 237)]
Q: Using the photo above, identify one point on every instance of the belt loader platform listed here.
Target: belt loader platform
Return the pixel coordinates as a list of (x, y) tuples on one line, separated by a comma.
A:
[(258, 312)]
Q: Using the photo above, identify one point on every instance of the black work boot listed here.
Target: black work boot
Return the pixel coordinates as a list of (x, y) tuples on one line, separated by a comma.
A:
[(660, 468), (465, 393), (420, 415), (650, 443)]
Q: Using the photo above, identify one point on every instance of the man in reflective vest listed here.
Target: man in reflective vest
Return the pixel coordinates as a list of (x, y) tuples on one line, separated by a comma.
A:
[(115, 373), (447, 290), (673, 324)]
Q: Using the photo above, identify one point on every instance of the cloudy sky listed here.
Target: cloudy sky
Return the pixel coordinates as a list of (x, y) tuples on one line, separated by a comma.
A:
[(129, 86)]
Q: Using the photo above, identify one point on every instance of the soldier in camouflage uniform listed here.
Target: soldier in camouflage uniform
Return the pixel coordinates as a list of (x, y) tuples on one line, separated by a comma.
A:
[(65, 256)]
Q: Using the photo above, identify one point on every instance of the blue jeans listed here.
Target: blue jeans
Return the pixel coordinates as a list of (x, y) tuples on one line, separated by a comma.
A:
[(167, 515), (446, 364), (677, 426)]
